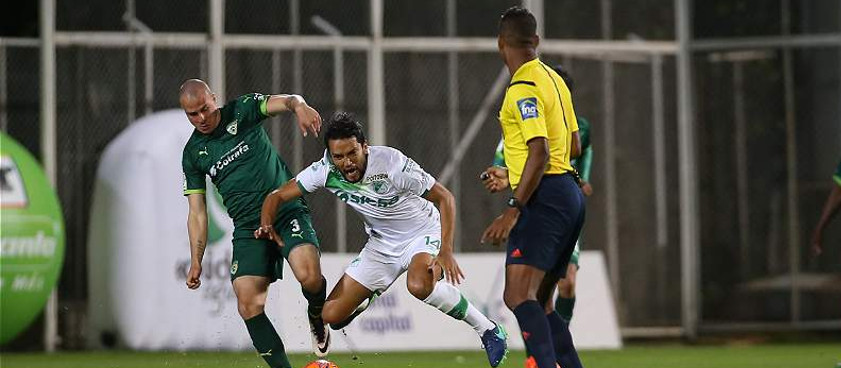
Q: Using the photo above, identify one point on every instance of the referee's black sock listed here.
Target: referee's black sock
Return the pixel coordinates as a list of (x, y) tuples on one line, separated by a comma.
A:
[(536, 332), (564, 349)]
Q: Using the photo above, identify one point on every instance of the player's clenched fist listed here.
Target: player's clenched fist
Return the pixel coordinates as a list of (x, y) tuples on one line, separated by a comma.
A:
[(194, 277)]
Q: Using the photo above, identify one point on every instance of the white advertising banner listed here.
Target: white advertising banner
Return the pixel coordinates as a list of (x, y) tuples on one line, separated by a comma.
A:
[(139, 255)]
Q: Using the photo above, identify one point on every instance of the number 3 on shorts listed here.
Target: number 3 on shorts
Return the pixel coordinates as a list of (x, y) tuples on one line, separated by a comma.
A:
[(296, 227)]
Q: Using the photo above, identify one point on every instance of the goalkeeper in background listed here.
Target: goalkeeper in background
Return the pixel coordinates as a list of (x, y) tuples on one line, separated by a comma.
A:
[(498, 181)]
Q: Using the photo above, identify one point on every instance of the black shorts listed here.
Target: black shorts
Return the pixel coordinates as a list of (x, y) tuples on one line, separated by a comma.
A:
[(549, 225)]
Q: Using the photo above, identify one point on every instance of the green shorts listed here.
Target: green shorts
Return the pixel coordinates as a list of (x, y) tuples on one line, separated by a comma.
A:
[(261, 257)]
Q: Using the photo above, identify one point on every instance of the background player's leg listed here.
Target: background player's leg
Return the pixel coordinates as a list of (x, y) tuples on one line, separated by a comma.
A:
[(251, 294), (343, 300), (520, 296), (566, 294)]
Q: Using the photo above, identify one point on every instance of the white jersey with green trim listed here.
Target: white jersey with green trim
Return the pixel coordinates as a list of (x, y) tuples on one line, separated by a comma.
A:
[(389, 197)]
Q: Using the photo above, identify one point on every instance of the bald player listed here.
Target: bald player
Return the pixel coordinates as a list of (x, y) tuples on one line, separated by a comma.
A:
[(230, 146)]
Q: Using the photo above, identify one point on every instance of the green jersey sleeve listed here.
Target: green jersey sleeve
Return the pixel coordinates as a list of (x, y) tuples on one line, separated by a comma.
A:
[(837, 176), (582, 163), (251, 110), (499, 156), (194, 179), (584, 132)]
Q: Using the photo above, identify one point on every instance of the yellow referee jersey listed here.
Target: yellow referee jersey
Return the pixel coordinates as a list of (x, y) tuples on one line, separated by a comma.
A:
[(537, 104)]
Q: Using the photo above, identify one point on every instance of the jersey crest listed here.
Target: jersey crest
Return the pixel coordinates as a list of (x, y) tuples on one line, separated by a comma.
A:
[(232, 127), (380, 186)]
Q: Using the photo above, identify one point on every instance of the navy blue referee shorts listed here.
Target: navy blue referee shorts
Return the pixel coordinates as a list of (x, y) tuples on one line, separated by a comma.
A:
[(549, 225)]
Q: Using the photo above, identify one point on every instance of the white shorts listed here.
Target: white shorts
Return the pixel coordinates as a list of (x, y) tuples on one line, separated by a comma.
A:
[(377, 271)]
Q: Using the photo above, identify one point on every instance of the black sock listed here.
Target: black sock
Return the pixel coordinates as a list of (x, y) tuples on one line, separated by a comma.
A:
[(316, 300), (564, 307), (266, 341), (564, 349), (536, 333)]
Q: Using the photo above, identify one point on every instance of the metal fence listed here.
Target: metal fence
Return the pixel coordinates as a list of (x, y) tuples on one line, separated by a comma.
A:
[(705, 192)]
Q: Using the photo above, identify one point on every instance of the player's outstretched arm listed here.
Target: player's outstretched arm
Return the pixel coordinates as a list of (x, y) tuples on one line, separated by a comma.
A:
[(584, 164), (446, 203), (287, 192), (830, 208), (308, 118), (197, 230)]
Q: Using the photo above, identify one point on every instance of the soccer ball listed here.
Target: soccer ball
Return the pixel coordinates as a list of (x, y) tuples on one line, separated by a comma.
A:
[(321, 363)]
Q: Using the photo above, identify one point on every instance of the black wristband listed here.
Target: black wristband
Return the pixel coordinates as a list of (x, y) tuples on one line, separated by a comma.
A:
[(514, 203)]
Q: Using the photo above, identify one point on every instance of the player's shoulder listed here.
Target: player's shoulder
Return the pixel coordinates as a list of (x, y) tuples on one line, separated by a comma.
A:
[(192, 142), (323, 164), (526, 84), (247, 101), (385, 153), (387, 159), (250, 98)]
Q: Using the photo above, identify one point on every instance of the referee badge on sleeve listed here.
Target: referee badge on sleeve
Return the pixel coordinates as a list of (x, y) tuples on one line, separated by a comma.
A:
[(527, 107)]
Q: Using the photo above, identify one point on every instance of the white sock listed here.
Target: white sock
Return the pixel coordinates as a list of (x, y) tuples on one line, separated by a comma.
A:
[(446, 298)]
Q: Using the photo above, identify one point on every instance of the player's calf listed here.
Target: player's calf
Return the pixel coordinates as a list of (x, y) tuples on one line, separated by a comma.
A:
[(340, 323)]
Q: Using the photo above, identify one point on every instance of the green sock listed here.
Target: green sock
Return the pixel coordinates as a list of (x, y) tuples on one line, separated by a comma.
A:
[(316, 300), (564, 308), (267, 342)]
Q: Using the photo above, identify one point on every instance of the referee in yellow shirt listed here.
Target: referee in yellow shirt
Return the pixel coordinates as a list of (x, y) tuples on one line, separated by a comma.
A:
[(546, 209)]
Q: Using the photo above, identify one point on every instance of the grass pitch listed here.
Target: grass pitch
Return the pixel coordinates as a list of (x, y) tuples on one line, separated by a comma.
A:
[(823, 355)]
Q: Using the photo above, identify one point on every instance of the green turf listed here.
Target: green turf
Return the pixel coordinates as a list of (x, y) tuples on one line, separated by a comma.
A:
[(658, 356)]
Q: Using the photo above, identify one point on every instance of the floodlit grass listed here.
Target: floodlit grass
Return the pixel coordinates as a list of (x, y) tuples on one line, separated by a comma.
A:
[(635, 356)]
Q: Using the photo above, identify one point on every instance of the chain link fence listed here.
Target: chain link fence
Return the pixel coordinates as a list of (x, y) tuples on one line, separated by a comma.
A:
[(431, 98)]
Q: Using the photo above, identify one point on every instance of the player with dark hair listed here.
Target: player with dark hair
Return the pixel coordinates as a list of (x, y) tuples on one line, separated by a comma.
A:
[(230, 145), (406, 232), (545, 212)]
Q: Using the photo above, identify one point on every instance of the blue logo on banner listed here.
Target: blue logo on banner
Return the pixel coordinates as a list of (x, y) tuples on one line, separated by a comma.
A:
[(527, 107), (385, 316)]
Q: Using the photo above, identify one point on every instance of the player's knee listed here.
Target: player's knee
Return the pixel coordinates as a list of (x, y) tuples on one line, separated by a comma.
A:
[(513, 298), (310, 280), (249, 309), (419, 288), (330, 314)]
